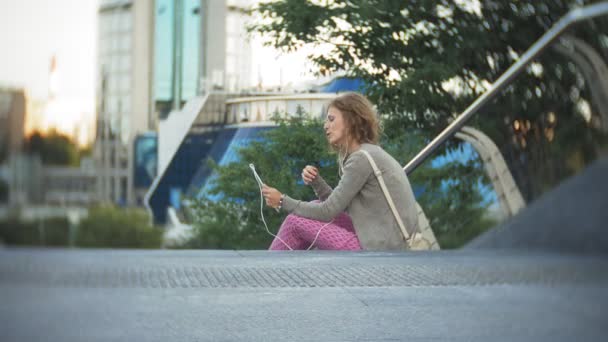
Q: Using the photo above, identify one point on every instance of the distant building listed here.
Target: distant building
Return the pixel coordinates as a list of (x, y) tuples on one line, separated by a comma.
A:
[(172, 73), (70, 186), (32, 183), (123, 93), (199, 46), (27, 180), (185, 174), (154, 57), (13, 107), (37, 191)]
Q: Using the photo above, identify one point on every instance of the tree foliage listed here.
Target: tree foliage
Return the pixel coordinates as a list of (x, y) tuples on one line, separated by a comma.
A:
[(3, 191), (424, 61), (407, 50), (53, 148), (279, 157), (3, 152)]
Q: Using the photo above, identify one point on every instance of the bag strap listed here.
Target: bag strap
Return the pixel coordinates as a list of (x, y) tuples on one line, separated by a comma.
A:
[(389, 199)]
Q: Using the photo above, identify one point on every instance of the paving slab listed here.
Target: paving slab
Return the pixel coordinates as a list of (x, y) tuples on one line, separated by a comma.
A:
[(472, 295)]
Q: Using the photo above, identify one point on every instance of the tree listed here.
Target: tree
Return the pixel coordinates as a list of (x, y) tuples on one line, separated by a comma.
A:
[(279, 157), (3, 152), (425, 60), (3, 191), (54, 148), (408, 49)]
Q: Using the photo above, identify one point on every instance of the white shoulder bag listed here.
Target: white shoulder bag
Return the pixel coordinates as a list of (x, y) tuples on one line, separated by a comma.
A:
[(414, 242)]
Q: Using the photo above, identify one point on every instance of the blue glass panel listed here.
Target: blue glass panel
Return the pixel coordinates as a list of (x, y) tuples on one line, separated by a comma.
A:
[(187, 160), (464, 154), (242, 137), (216, 152), (163, 49), (229, 141), (191, 39), (175, 197), (342, 84), (146, 160)]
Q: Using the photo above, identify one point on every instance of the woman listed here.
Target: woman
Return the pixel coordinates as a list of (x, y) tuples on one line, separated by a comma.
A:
[(351, 126)]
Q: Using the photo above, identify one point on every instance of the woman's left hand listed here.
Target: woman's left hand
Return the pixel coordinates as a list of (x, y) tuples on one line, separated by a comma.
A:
[(272, 196)]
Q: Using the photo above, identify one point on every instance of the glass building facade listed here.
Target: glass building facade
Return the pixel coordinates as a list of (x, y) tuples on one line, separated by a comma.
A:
[(191, 154), (163, 50), (191, 48), (115, 56), (146, 160), (224, 151), (188, 174), (177, 53)]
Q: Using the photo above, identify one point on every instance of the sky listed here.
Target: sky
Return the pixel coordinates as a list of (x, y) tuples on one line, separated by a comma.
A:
[(31, 33)]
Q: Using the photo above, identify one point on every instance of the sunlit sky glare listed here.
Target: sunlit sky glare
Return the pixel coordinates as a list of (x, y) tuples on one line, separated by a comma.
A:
[(31, 33), (273, 68)]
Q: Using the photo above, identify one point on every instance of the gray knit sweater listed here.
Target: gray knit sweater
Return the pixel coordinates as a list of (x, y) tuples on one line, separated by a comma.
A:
[(359, 194)]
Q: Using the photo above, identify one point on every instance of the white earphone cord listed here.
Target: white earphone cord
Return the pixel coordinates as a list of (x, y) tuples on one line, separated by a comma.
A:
[(275, 236), (263, 220)]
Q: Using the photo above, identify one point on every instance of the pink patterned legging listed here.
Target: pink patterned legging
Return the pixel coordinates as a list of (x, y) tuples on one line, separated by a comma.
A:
[(299, 232)]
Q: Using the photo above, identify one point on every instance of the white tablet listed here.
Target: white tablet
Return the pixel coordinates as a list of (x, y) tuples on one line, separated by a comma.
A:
[(255, 174)]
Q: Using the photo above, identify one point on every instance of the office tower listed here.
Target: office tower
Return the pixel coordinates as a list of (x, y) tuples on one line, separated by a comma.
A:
[(154, 57), (124, 79)]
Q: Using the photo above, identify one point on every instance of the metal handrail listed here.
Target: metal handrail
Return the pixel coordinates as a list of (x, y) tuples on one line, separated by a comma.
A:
[(573, 17)]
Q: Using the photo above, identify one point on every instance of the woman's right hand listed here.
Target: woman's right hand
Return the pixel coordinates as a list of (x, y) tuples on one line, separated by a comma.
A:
[(309, 174)]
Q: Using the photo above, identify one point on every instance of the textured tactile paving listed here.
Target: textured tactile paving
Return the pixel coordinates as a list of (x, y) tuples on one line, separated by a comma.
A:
[(475, 295), (101, 274)]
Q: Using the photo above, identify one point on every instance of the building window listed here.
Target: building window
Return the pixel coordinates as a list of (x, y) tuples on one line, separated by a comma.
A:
[(177, 77), (124, 63), (125, 22), (191, 41), (163, 49), (124, 83), (126, 103), (125, 42)]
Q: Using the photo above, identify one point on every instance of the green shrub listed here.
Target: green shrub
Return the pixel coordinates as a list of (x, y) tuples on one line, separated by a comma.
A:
[(110, 227), (46, 232), (56, 232), (235, 222), (450, 195), (3, 192), (16, 232)]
